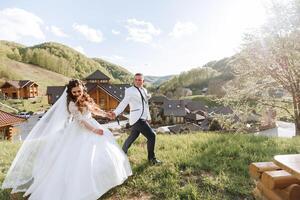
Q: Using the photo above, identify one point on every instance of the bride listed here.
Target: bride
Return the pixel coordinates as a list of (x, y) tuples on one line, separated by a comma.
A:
[(68, 155)]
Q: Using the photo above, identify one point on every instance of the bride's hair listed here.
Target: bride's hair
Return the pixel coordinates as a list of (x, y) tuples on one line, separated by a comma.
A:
[(85, 99)]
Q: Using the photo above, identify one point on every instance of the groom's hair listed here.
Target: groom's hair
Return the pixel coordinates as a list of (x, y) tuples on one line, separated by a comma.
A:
[(138, 74)]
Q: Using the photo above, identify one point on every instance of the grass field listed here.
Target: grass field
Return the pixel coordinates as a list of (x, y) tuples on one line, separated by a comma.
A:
[(208, 166)]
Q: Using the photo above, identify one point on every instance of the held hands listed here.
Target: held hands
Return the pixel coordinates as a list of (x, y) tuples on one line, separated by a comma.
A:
[(98, 131), (111, 115)]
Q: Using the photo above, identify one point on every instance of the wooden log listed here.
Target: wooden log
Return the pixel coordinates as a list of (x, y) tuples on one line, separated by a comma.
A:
[(256, 169), (278, 179), (267, 193), (291, 192), (257, 193)]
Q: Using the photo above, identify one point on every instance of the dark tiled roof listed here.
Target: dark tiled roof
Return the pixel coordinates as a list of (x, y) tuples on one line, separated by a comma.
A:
[(90, 86), (221, 110), (186, 101), (158, 99), (194, 116), (9, 119), (174, 108), (224, 111), (113, 91), (19, 84), (196, 105), (55, 92), (122, 86), (97, 75)]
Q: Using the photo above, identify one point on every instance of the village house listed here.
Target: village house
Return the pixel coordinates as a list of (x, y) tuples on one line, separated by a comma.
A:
[(7, 122), (174, 111), (186, 114), (21, 89), (98, 85), (158, 100), (195, 106), (194, 118)]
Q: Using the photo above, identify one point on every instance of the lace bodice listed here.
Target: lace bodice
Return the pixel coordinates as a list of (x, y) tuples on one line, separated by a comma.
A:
[(77, 115)]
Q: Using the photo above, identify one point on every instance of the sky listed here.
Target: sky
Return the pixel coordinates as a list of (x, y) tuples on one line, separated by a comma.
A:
[(158, 37)]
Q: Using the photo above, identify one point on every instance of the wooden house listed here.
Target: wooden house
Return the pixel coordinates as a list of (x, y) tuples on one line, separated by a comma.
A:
[(98, 85), (21, 89), (174, 111), (158, 100), (7, 122)]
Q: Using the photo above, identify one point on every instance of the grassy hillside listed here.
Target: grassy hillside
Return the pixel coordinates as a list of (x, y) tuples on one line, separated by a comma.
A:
[(195, 79), (196, 166), (59, 58), (41, 76), (116, 70), (211, 74)]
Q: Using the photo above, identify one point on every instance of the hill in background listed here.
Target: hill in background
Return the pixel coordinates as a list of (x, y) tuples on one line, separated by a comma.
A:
[(58, 58), (17, 60)]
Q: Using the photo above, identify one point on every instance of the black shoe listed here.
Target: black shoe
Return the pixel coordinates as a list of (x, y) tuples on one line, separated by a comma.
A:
[(154, 161)]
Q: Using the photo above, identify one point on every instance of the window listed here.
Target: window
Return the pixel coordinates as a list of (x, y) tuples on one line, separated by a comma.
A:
[(2, 133), (102, 103), (14, 95)]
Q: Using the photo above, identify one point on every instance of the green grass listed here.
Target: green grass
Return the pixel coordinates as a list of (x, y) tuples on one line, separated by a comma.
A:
[(207, 166), (33, 104)]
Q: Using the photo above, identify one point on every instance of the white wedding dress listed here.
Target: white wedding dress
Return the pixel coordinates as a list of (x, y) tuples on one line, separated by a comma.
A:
[(72, 164), (86, 167)]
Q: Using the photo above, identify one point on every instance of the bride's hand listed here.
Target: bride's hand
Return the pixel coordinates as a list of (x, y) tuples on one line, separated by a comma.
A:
[(98, 131)]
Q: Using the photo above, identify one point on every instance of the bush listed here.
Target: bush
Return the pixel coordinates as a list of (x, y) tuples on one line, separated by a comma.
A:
[(214, 125)]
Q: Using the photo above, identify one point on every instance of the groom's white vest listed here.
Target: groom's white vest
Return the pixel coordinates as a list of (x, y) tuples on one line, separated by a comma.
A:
[(133, 98)]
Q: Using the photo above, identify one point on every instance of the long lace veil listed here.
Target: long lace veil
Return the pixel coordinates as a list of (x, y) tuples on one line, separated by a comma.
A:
[(40, 149)]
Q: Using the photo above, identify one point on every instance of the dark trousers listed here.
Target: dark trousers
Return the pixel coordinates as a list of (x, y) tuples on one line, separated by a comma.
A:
[(141, 126)]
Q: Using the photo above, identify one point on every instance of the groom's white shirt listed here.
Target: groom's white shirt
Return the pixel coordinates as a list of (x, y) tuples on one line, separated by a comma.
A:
[(133, 98)]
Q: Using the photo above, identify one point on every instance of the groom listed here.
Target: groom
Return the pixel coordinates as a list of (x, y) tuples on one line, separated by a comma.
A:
[(137, 98)]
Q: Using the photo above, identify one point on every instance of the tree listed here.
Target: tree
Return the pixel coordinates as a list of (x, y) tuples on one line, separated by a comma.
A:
[(271, 57)]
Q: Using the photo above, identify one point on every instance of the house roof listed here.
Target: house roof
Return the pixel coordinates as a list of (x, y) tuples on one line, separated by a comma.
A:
[(194, 116), (97, 75), (196, 106), (55, 92), (114, 91), (174, 108), (122, 86), (7, 119), (221, 110), (19, 83), (158, 99)]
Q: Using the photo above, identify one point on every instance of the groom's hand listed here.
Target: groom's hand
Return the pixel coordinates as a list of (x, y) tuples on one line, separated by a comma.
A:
[(111, 115)]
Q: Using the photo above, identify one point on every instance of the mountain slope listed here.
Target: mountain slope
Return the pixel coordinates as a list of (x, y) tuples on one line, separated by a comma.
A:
[(60, 58), (24, 71), (157, 80), (213, 73), (116, 70)]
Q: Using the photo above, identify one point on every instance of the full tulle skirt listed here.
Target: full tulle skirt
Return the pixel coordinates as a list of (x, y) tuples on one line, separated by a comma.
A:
[(80, 166)]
